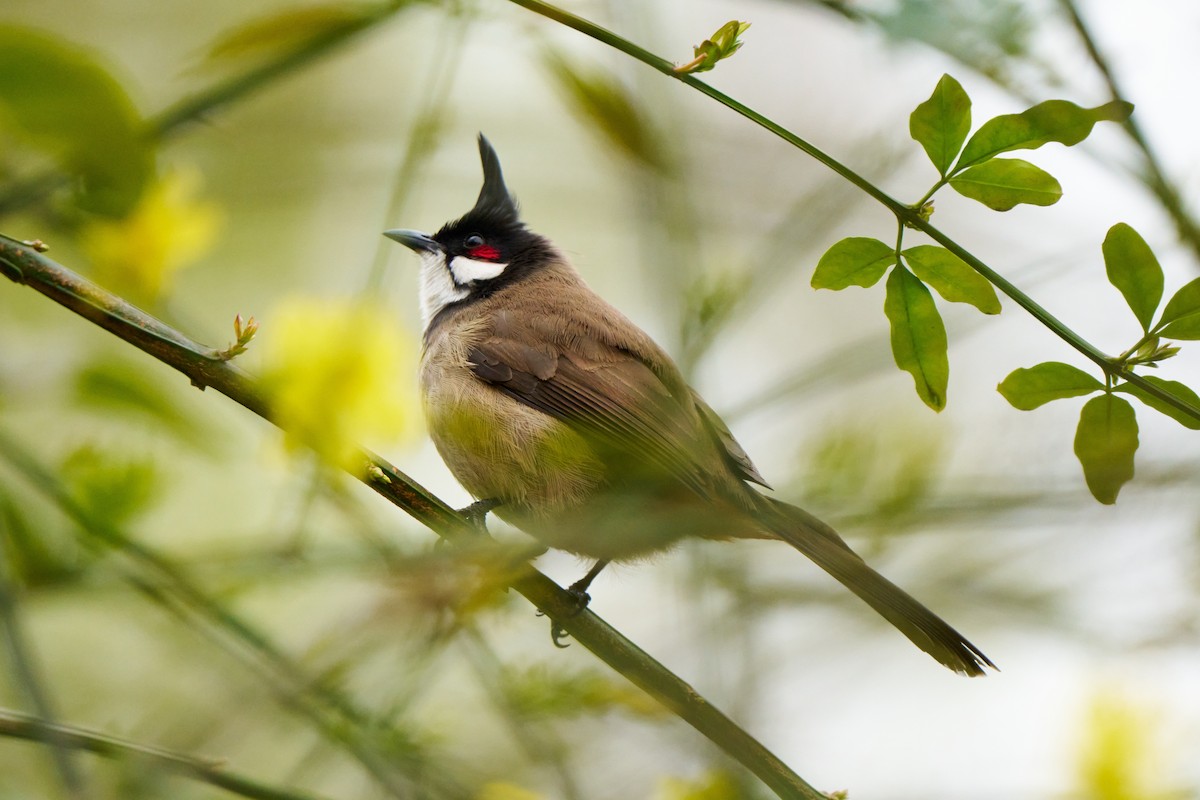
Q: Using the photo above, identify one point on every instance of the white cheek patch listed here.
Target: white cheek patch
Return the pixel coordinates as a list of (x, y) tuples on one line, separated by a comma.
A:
[(468, 270), (438, 288)]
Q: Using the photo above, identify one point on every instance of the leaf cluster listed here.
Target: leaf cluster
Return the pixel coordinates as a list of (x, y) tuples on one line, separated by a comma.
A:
[(1106, 437), (724, 43)]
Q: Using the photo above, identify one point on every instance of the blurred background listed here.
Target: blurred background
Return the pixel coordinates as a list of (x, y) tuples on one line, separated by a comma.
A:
[(176, 573)]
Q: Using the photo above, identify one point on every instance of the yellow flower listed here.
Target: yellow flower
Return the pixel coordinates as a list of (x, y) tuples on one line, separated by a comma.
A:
[(167, 230), (1121, 757), (499, 790), (338, 374), (710, 786)]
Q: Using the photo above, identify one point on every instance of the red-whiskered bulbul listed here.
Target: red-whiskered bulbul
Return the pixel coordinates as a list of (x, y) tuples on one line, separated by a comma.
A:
[(550, 406)]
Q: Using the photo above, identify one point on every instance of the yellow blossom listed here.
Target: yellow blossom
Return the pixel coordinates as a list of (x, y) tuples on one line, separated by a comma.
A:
[(338, 374), (710, 786), (1121, 757), (498, 790), (139, 254)]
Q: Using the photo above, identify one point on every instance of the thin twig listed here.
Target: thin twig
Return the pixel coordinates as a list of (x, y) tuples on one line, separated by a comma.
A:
[(25, 669), (20, 726), (1155, 176), (203, 366)]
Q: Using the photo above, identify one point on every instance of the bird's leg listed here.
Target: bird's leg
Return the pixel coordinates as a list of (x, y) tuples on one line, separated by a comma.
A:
[(477, 512), (578, 591)]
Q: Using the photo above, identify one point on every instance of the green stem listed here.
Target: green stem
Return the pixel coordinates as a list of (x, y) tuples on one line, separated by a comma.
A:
[(1155, 176), (20, 726), (24, 665), (932, 191), (1121, 359), (907, 215)]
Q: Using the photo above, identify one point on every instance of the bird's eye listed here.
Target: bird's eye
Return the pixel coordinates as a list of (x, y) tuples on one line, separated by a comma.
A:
[(473, 241)]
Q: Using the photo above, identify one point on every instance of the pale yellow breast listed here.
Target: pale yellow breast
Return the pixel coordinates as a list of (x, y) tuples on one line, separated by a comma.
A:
[(497, 447)]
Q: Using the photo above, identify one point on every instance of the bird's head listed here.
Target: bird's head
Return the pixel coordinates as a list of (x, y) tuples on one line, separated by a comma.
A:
[(476, 254)]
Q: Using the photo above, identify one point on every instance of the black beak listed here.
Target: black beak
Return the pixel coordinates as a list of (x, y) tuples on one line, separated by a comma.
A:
[(414, 240)]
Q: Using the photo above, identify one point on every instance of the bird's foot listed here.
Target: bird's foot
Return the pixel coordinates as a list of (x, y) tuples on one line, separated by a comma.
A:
[(578, 593), (477, 512), (580, 598)]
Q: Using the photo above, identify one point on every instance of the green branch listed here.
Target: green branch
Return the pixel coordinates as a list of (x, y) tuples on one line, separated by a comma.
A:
[(905, 214), (20, 726), (205, 368), (208, 100)]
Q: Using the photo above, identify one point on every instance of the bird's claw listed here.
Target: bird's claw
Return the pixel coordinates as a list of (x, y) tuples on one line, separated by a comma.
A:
[(477, 512), (581, 599)]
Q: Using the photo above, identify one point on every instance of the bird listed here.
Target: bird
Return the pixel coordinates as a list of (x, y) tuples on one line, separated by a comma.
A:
[(565, 419)]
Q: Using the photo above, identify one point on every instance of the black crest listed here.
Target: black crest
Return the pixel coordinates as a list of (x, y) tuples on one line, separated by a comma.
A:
[(494, 197)]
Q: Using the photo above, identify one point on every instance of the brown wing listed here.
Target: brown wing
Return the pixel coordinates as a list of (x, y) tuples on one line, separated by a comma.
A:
[(606, 393), (735, 456)]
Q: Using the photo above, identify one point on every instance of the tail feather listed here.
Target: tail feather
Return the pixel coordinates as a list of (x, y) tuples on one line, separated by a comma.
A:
[(823, 546)]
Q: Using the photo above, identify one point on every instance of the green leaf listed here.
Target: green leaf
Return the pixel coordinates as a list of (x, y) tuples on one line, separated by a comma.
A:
[(952, 277), (941, 123), (290, 29), (1105, 441), (1052, 121), (722, 45), (1181, 317), (115, 488), (1134, 270), (1029, 387), (856, 261), (59, 100), (1174, 387), (609, 108), (918, 336), (1001, 183), (120, 388)]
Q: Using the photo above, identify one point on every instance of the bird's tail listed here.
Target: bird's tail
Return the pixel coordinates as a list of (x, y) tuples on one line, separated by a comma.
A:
[(825, 547)]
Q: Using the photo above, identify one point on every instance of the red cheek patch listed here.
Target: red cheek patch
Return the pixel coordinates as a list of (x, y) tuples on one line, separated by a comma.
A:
[(484, 252)]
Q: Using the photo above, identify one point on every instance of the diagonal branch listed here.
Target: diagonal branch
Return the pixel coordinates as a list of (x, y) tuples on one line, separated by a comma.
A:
[(20, 726), (1155, 176), (207, 369)]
